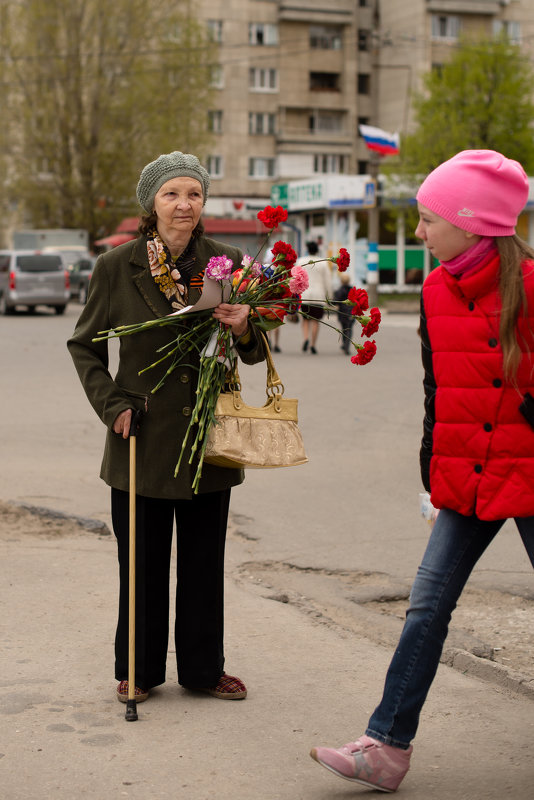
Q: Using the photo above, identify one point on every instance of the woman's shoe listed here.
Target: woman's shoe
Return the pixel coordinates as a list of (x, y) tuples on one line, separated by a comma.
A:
[(122, 693), (305, 346), (313, 350), (366, 761), (228, 688)]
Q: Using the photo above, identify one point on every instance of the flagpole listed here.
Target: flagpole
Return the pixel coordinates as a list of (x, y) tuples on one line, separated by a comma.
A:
[(372, 234)]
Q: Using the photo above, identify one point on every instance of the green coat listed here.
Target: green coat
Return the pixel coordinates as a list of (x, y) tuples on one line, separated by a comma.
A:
[(122, 292)]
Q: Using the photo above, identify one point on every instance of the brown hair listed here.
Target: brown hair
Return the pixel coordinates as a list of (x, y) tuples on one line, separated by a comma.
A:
[(150, 221), (512, 251)]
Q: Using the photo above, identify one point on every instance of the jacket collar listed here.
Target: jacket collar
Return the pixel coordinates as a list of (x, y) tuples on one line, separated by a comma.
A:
[(147, 287), (473, 285)]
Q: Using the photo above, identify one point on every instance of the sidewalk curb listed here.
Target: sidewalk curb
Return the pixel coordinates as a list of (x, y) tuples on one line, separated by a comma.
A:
[(490, 671)]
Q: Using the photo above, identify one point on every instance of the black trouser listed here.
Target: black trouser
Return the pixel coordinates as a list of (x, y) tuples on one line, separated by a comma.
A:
[(200, 540)]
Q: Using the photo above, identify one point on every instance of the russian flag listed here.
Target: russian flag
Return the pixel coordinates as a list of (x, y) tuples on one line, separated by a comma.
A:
[(387, 144)]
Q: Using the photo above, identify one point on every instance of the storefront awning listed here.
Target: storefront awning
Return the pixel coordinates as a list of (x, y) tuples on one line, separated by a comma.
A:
[(115, 239)]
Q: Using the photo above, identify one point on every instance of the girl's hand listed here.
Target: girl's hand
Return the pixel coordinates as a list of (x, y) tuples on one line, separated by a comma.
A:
[(233, 314)]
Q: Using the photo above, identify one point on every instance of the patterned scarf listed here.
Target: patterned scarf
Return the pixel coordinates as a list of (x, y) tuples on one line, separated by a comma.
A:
[(172, 276)]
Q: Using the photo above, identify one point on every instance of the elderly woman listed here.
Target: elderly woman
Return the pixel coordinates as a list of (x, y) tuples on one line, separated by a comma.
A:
[(159, 272)]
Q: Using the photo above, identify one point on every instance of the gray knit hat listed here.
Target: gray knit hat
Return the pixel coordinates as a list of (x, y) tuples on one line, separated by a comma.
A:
[(167, 166)]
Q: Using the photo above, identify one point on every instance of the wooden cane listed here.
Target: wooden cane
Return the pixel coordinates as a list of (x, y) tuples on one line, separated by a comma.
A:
[(131, 704)]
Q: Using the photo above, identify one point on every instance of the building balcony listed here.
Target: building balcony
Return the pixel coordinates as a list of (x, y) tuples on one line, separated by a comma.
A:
[(338, 12), (476, 7), (288, 134)]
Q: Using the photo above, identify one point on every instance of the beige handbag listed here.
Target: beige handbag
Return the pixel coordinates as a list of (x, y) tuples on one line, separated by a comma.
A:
[(244, 436)]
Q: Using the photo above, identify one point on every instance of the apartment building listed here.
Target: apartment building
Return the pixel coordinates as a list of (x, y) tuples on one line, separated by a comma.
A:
[(418, 35), (297, 76), (287, 87)]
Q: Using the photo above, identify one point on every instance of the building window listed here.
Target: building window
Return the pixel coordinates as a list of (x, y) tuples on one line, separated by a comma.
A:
[(364, 83), (512, 30), (325, 37), (261, 168), (363, 167), (324, 81), (262, 80), (214, 165), (364, 40), (364, 3), (261, 123), (215, 121), (445, 26), (262, 33), (215, 30), (329, 164), (325, 121), (216, 76)]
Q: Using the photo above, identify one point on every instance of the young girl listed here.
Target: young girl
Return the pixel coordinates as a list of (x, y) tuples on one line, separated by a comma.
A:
[(477, 452)]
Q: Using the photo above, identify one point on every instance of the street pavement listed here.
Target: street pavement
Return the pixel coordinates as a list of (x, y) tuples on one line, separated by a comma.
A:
[(354, 506)]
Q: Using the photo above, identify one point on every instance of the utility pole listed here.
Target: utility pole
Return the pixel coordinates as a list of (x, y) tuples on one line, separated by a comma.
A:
[(373, 225)]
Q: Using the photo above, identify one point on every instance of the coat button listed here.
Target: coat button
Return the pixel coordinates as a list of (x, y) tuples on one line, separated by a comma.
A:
[(184, 377), (497, 383), (493, 342), (478, 468), (471, 306), (488, 426), (186, 411)]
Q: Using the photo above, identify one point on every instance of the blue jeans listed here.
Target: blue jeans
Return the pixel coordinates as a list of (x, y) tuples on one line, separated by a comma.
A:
[(456, 544)]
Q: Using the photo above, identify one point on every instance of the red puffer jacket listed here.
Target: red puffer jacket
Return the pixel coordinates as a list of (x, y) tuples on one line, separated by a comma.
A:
[(477, 452)]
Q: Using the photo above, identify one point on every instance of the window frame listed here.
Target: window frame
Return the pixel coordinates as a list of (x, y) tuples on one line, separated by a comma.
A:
[(268, 73)]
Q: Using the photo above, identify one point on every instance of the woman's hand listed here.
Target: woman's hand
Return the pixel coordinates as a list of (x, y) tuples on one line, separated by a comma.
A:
[(233, 314), (123, 422)]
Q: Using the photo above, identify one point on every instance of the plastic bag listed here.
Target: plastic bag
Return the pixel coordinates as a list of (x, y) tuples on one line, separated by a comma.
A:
[(427, 509)]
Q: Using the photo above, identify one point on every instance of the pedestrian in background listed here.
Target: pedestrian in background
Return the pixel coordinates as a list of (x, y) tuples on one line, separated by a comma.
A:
[(344, 312), (314, 297), (477, 452)]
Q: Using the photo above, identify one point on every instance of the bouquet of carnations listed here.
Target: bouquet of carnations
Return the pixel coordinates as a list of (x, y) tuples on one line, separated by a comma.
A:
[(272, 291)]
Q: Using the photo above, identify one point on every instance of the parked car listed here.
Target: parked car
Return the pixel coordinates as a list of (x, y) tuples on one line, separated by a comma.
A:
[(32, 278), (80, 274)]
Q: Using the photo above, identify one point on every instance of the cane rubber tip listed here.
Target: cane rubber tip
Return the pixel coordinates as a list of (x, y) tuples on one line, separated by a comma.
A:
[(131, 711)]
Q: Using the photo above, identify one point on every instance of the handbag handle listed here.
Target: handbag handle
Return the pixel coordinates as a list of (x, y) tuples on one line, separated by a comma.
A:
[(274, 385)]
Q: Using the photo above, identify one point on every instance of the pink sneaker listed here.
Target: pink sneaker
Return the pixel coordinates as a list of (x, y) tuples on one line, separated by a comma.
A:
[(366, 761)]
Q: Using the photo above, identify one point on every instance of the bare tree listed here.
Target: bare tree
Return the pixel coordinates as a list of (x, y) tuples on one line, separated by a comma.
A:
[(95, 90)]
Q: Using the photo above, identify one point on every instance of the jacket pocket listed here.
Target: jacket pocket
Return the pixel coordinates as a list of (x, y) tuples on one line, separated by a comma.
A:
[(139, 396)]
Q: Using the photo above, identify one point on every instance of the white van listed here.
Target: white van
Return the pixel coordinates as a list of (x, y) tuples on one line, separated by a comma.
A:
[(32, 278)]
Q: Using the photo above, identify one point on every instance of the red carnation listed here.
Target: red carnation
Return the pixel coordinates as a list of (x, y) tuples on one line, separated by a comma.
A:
[(343, 259), (272, 217), (373, 324), (283, 253), (359, 300), (365, 354)]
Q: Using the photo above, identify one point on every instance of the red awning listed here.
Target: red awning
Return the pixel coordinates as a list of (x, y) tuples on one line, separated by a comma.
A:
[(235, 226), (114, 239), (128, 225)]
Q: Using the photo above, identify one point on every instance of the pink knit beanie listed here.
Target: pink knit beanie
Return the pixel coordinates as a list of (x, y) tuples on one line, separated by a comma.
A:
[(480, 191)]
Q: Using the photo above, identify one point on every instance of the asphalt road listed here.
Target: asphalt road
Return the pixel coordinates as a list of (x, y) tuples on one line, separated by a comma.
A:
[(353, 506), (321, 540)]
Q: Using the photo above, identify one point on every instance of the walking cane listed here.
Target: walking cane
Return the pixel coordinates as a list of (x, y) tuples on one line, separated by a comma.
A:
[(131, 704)]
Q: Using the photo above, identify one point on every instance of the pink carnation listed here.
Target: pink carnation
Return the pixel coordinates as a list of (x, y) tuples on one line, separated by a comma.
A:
[(251, 266), (299, 280), (219, 268)]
